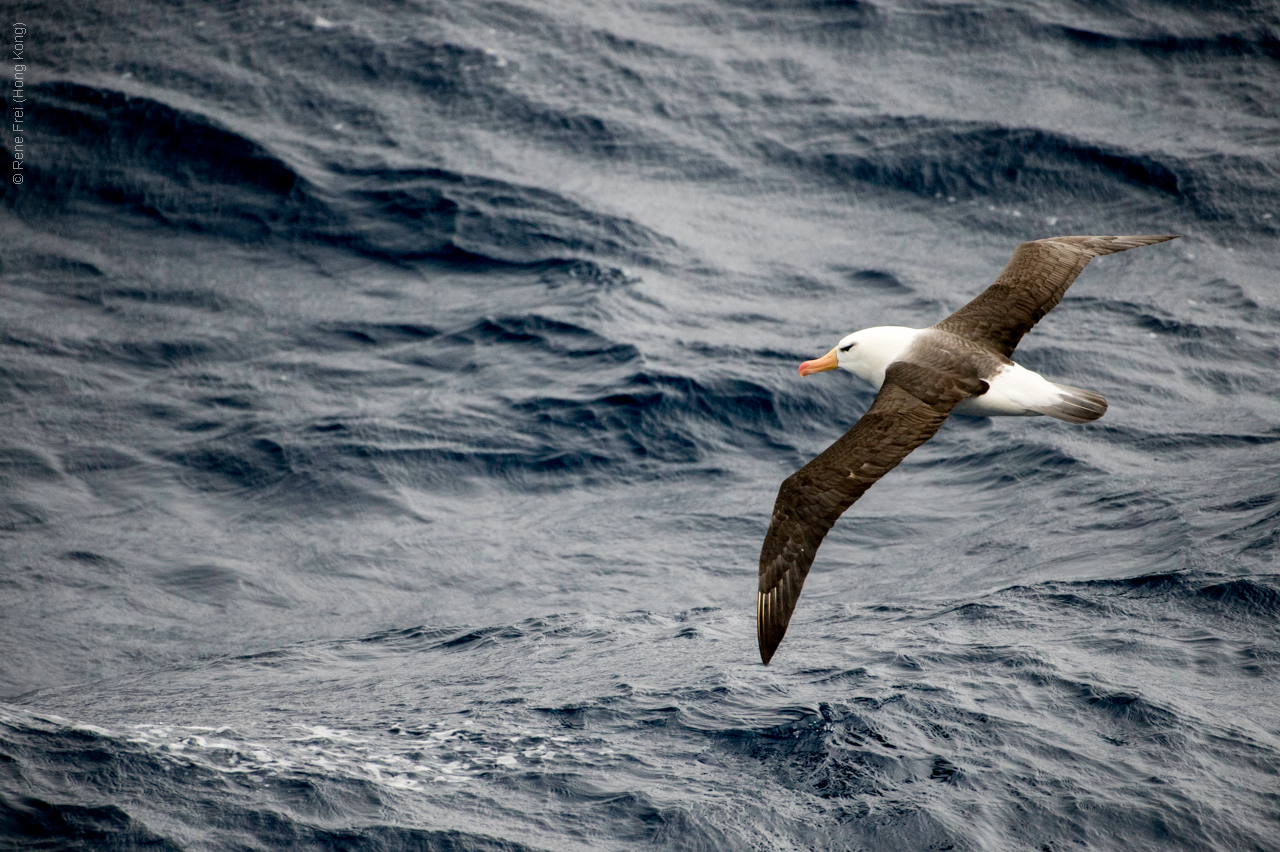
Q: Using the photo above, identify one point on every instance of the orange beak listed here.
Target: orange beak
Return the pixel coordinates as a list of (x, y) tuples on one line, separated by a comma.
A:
[(818, 365)]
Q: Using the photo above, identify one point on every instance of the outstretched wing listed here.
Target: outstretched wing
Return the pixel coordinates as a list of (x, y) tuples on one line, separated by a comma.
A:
[(1033, 282), (911, 405)]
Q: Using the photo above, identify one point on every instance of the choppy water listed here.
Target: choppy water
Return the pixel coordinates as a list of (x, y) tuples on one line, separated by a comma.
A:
[(393, 397)]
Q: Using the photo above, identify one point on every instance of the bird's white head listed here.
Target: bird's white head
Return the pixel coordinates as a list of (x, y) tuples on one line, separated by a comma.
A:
[(866, 353)]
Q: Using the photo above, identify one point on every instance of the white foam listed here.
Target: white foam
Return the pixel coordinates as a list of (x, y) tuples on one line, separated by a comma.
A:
[(404, 759)]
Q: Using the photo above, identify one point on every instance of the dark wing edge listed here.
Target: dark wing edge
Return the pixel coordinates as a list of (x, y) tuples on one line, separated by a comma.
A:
[(1031, 285), (912, 404)]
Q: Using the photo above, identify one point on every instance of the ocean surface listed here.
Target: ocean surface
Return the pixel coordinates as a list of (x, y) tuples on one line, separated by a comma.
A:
[(393, 397)]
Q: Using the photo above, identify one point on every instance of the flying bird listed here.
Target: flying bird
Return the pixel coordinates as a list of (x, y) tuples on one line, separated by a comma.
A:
[(960, 365)]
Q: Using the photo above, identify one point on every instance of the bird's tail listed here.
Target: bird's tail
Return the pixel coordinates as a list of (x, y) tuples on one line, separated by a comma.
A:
[(1074, 405)]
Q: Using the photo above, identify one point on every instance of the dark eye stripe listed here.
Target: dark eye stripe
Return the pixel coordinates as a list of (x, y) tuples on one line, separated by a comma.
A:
[(846, 348)]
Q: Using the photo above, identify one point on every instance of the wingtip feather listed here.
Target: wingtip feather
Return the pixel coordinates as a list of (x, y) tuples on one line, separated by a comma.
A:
[(766, 626)]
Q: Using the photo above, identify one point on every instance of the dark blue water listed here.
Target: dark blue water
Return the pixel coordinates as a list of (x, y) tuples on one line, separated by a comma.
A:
[(393, 397)]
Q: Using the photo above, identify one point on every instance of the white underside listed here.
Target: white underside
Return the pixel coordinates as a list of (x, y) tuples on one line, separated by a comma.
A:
[(1015, 390)]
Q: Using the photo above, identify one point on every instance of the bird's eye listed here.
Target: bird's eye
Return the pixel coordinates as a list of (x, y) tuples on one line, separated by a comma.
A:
[(847, 348)]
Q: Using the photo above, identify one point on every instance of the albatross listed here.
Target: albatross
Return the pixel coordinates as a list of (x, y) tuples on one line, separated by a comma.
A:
[(960, 365)]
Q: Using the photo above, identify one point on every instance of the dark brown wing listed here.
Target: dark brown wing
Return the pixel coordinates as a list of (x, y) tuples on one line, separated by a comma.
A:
[(1033, 282), (911, 405)]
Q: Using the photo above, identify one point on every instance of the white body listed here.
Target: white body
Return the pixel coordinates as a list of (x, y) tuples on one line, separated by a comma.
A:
[(1015, 390)]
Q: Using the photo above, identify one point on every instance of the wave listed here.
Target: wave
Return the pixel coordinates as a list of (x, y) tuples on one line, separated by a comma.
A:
[(104, 150), (1030, 167), (1250, 598), (552, 336), (406, 214), (931, 157), (1095, 36), (1167, 48), (458, 85), (608, 414), (315, 783)]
